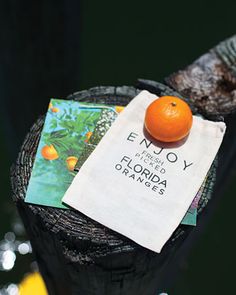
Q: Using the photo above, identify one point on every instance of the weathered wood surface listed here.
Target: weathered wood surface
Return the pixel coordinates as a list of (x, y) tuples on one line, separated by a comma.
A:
[(79, 256), (210, 82)]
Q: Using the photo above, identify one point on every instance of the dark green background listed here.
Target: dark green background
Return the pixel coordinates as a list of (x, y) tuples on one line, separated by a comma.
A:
[(50, 50)]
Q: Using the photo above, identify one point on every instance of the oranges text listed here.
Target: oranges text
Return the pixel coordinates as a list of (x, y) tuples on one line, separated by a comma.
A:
[(168, 119), (49, 152), (71, 162)]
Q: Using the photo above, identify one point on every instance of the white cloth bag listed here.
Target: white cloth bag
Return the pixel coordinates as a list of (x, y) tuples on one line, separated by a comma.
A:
[(135, 186)]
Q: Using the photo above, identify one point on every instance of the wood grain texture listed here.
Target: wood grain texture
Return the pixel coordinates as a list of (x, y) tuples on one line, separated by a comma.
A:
[(77, 255), (210, 82)]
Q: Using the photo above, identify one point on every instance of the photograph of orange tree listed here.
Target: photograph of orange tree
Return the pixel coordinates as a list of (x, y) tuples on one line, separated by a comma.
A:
[(70, 128)]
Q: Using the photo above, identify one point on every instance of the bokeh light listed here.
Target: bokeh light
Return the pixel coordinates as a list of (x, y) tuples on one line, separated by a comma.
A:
[(11, 248), (24, 248), (11, 289), (7, 260)]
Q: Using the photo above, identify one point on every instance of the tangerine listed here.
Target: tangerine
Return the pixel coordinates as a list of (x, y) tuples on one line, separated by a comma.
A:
[(88, 135), (50, 106), (119, 109), (49, 152), (71, 162), (168, 119), (55, 110)]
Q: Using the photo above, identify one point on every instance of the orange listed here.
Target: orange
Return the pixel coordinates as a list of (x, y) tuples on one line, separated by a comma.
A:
[(55, 110), (168, 119), (71, 162), (119, 109), (88, 135), (49, 152)]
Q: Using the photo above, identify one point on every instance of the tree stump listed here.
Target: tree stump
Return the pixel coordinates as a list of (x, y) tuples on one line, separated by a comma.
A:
[(77, 255)]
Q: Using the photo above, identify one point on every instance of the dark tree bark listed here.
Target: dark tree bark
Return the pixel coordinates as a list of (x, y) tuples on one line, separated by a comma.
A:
[(76, 255)]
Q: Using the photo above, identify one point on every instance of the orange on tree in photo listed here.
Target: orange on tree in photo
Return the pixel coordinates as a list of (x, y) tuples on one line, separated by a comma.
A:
[(49, 152), (88, 135), (55, 110), (50, 106), (119, 109), (168, 119), (71, 162)]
